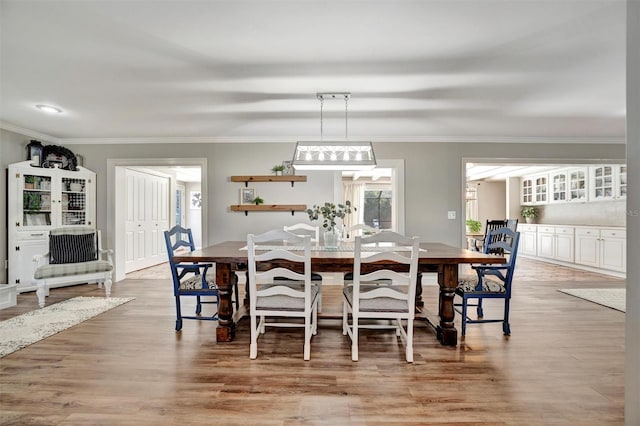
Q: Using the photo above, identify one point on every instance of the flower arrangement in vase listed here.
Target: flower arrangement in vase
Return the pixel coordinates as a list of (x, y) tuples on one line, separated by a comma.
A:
[(330, 212)]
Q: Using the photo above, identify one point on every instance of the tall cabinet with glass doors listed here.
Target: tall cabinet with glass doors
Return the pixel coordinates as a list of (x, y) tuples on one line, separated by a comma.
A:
[(40, 199)]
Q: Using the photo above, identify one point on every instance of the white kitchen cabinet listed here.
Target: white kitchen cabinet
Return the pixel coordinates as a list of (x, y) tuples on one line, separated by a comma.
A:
[(541, 189), (534, 189), (40, 199), (526, 191), (556, 242), (546, 236), (620, 188), (559, 188), (528, 239), (568, 185), (601, 183), (577, 183), (604, 248)]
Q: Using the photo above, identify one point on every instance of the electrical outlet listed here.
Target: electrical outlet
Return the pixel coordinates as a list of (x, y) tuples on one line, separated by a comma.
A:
[(451, 214)]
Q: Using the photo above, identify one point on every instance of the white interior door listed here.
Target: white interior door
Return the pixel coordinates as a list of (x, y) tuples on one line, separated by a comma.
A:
[(147, 217)]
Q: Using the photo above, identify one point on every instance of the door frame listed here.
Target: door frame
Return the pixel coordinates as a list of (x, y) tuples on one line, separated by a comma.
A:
[(115, 214)]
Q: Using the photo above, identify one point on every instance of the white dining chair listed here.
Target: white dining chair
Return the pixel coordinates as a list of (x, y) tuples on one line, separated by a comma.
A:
[(367, 299), (359, 229), (270, 297), (314, 232), (305, 229)]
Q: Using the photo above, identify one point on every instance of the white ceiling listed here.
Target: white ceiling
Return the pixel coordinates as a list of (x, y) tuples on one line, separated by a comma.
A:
[(223, 70)]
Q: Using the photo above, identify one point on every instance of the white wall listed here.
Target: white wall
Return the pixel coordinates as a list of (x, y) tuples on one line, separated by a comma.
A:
[(492, 201)]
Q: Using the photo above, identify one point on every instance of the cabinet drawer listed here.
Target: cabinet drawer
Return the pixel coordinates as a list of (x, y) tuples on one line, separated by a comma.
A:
[(547, 229), (32, 235), (613, 233), (527, 228), (564, 230), (587, 232)]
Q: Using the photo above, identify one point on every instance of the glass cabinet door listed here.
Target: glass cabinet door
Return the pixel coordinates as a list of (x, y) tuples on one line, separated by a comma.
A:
[(602, 182), (527, 191), (577, 185), (541, 189), (36, 200), (74, 201), (621, 191), (559, 187)]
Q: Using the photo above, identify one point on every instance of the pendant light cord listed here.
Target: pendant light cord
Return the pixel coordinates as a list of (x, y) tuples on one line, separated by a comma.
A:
[(346, 117), (321, 122)]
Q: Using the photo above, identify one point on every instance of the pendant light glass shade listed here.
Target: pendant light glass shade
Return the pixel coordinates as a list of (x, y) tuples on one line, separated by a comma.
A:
[(334, 155), (325, 155)]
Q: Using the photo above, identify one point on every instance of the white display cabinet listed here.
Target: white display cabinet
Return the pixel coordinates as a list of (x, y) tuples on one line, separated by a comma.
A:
[(40, 199), (534, 190)]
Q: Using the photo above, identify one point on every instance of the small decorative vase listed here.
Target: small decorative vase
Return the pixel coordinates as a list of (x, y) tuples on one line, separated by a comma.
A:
[(331, 239), (528, 219)]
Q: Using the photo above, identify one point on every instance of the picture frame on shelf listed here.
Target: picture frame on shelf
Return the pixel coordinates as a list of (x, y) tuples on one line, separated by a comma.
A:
[(288, 168), (247, 195)]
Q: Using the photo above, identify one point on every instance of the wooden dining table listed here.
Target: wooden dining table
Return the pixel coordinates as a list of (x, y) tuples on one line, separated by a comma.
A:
[(232, 256)]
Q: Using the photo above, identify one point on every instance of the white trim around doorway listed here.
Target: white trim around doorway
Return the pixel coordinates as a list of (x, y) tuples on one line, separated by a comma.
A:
[(115, 222)]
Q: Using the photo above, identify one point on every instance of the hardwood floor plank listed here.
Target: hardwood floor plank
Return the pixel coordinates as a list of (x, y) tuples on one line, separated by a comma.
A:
[(563, 364)]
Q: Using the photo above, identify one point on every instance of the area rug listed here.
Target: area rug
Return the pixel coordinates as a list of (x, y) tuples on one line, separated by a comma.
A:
[(614, 298), (26, 329)]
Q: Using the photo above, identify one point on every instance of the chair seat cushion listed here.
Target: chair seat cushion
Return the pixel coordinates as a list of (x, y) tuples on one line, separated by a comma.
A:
[(378, 304), (69, 269), (282, 302), (195, 283), (468, 285)]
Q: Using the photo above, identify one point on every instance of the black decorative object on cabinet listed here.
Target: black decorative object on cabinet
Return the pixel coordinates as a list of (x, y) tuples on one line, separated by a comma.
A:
[(35, 153), (60, 157)]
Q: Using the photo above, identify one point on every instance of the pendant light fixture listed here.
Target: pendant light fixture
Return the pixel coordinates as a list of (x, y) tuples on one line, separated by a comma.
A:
[(334, 155)]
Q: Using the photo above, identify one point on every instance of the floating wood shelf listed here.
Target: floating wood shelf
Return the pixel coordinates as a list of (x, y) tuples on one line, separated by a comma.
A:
[(268, 178), (246, 208)]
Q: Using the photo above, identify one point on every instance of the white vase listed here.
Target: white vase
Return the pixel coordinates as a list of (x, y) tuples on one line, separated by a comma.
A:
[(331, 239), (528, 219)]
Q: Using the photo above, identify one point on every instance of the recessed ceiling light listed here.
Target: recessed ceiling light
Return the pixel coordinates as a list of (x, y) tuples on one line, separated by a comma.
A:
[(48, 108)]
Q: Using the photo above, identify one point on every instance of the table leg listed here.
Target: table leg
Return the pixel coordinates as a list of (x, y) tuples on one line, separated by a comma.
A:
[(226, 280), (419, 301), (448, 281)]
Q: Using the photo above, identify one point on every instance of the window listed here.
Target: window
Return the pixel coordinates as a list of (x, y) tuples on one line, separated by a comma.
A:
[(378, 209)]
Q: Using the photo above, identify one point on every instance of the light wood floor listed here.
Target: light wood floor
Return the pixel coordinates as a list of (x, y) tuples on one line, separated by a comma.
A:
[(563, 364)]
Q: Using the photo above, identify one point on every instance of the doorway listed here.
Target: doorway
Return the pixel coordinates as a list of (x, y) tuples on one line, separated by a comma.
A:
[(117, 202)]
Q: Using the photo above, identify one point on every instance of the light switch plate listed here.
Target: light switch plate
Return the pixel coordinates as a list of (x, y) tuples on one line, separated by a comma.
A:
[(451, 214)]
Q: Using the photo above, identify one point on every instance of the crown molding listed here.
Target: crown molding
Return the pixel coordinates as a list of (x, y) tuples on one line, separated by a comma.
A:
[(289, 139), (385, 139), (28, 132)]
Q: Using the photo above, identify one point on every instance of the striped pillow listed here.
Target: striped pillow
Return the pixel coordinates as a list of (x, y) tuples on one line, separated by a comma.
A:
[(72, 248)]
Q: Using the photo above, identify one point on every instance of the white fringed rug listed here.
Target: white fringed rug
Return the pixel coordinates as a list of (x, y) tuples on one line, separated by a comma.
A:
[(26, 329), (614, 298)]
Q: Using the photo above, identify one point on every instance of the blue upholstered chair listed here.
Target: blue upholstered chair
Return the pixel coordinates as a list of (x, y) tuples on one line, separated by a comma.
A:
[(491, 281), (190, 279)]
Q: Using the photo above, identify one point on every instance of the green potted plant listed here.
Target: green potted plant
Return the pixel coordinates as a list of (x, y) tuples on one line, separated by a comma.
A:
[(257, 201), (329, 213), (29, 181), (473, 226), (529, 214), (278, 169)]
